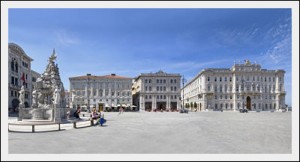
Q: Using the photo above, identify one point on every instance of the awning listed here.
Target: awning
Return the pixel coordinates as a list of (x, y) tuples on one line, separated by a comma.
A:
[(118, 105), (107, 105), (133, 106), (123, 105)]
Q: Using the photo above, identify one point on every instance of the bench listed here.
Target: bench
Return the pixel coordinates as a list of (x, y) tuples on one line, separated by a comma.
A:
[(34, 124), (92, 122)]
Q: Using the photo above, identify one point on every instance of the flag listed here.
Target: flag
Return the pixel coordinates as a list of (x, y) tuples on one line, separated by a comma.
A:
[(23, 78)]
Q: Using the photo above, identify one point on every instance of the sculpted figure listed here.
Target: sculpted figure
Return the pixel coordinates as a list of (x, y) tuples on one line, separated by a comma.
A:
[(22, 95), (56, 96)]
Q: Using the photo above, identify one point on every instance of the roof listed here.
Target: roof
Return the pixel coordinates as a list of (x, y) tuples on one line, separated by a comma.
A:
[(100, 77)]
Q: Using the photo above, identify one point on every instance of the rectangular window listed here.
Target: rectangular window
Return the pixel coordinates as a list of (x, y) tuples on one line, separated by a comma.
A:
[(11, 93), (171, 81), (12, 80)]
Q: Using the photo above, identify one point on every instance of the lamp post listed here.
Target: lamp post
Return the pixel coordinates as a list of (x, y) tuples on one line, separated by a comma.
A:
[(243, 88), (88, 94), (183, 80)]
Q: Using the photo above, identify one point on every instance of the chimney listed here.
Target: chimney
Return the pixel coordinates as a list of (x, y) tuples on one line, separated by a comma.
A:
[(113, 74), (88, 74)]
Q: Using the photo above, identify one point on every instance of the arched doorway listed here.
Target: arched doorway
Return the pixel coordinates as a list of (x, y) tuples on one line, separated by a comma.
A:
[(248, 103), (26, 104), (15, 103)]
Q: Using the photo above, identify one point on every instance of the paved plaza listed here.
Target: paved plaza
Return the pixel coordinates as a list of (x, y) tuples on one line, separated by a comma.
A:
[(164, 133)]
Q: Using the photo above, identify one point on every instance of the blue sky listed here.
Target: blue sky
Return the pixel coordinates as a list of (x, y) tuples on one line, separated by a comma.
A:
[(133, 41)]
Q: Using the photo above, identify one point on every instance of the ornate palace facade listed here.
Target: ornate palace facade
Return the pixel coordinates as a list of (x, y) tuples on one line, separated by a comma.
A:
[(242, 86), (19, 73)]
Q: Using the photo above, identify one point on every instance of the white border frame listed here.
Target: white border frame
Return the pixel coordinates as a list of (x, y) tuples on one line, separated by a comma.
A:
[(294, 5)]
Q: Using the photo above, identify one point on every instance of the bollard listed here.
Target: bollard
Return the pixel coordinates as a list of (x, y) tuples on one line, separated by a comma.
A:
[(74, 124)]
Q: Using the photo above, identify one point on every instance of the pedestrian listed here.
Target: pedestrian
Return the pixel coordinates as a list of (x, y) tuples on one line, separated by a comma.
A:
[(94, 114), (77, 112), (102, 120)]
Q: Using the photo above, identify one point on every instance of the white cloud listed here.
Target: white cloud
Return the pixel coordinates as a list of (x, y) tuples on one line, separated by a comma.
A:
[(65, 38)]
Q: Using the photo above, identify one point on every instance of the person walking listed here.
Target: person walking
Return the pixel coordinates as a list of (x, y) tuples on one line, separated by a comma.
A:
[(102, 120)]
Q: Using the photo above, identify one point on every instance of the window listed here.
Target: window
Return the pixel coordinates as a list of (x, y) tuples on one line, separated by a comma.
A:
[(208, 79), (171, 80), (146, 88), (230, 79), (150, 89), (146, 80), (171, 88), (146, 97), (174, 88), (164, 88), (225, 79), (174, 80), (164, 96), (220, 79), (11, 93), (226, 97), (175, 97), (220, 96), (157, 80), (220, 88), (164, 80), (150, 97), (12, 80), (208, 87), (216, 97), (230, 97), (157, 88), (12, 65), (149, 81), (16, 81), (215, 79), (237, 78)]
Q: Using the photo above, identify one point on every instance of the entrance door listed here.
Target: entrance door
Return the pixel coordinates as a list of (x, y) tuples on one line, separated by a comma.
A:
[(248, 103), (100, 108)]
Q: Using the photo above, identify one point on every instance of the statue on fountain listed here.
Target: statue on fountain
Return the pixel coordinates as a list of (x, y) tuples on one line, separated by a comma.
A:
[(48, 96)]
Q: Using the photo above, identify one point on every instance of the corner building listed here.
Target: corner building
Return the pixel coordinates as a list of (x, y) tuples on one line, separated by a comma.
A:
[(242, 86), (157, 91)]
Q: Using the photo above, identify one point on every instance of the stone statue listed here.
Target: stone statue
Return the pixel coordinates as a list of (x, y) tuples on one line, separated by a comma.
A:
[(56, 96), (22, 95), (34, 99)]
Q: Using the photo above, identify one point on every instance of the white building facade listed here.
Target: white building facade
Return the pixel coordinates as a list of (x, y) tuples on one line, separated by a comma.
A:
[(242, 86), (105, 93), (19, 73), (157, 91)]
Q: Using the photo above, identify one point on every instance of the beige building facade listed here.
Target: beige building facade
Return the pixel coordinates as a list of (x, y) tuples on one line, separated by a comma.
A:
[(105, 93), (157, 91)]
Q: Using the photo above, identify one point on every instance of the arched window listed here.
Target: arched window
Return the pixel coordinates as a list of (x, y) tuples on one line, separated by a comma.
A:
[(12, 65), (16, 67)]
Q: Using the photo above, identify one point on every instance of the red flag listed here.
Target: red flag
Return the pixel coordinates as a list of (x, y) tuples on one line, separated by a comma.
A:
[(23, 78)]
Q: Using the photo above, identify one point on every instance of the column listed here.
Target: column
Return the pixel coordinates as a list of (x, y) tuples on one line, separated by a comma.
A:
[(153, 102)]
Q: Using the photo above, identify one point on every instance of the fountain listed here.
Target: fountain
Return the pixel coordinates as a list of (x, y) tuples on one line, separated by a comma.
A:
[(48, 97)]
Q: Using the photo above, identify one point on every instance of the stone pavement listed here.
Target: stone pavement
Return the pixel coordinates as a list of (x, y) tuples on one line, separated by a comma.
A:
[(165, 133)]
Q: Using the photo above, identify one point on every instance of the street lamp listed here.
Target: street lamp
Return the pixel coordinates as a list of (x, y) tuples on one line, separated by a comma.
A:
[(243, 89), (88, 94), (183, 80)]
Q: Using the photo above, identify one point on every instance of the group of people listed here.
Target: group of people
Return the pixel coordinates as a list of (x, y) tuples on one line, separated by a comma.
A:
[(94, 115)]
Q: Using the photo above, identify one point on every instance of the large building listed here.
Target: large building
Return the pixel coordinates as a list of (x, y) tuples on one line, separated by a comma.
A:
[(19, 73), (157, 91), (242, 86), (105, 93)]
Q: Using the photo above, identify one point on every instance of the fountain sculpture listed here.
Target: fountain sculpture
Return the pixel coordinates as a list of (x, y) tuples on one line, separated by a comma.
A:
[(48, 96)]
